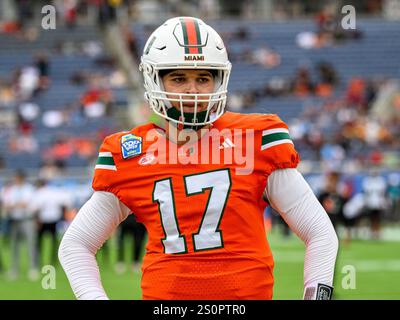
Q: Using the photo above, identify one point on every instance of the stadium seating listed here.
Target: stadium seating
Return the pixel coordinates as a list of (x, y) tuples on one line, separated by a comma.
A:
[(375, 54), (16, 53)]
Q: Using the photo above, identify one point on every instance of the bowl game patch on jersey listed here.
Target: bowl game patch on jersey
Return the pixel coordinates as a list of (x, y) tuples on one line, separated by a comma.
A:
[(131, 145)]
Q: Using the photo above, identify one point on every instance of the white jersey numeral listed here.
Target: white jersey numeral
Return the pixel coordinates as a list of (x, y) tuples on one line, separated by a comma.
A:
[(173, 242), (208, 236)]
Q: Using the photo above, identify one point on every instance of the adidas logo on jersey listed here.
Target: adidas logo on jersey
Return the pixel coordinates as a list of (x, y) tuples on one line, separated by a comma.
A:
[(147, 159), (227, 144)]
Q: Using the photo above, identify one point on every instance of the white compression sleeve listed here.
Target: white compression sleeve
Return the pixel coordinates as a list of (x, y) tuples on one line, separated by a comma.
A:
[(93, 225), (290, 195)]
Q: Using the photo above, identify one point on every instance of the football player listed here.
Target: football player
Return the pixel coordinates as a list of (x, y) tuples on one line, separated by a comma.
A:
[(204, 217)]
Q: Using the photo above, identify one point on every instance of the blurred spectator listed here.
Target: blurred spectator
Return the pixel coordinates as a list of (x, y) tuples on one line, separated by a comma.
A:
[(117, 79), (41, 61), (241, 34), (92, 49), (277, 86), (23, 126), (355, 94), (298, 128), (96, 101), (332, 154), (394, 195), (50, 170), (331, 199), (28, 82), (85, 148), (10, 27), (7, 95), (70, 7), (22, 224), (79, 77), (375, 202), (107, 12), (371, 91), (60, 151), (373, 132), (49, 205), (4, 218), (24, 12), (42, 64), (28, 111), (53, 118), (324, 19), (23, 143), (307, 40), (302, 84), (327, 79), (266, 57), (315, 140)]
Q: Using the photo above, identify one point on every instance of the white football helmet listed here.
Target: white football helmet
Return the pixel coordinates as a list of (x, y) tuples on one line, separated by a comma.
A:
[(185, 43)]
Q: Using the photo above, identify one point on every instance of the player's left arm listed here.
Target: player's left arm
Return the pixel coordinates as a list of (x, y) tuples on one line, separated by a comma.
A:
[(290, 195)]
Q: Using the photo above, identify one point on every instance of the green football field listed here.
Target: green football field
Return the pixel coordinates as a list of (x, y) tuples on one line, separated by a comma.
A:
[(365, 270)]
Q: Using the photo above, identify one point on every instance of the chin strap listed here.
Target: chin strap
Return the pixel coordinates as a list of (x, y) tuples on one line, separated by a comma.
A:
[(188, 117)]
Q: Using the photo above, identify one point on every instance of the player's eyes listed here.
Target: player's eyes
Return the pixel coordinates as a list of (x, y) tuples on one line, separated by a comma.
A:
[(178, 79), (203, 80)]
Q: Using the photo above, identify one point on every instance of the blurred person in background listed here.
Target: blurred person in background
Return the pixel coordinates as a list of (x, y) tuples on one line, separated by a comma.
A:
[(374, 189), (394, 195), (266, 57), (302, 84), (49, 170), (3, 218), (22, 224), (138, 232), (42, 63), (49, 206), (327, 79), (28, 82), (331, 199), (97, 100)]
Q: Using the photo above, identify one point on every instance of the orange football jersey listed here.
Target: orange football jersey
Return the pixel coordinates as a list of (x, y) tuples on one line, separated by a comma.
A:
[(201, 204)]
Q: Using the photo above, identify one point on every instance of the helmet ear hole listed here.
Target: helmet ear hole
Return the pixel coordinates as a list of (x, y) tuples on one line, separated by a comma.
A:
[(149, 68)]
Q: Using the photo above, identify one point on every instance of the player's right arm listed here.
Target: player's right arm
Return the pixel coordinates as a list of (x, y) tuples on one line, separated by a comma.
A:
[(93, 225)]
